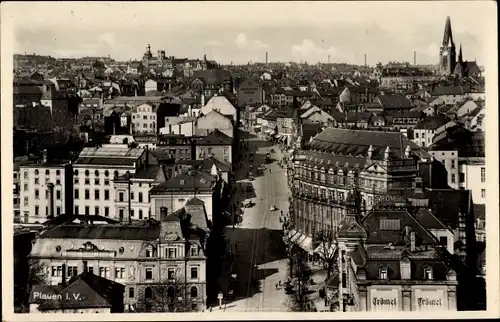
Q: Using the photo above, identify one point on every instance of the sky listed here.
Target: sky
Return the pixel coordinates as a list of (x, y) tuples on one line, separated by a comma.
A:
[(241, 32)]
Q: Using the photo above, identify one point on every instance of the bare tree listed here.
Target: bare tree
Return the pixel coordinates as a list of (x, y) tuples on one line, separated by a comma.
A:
[(327, 250), (167, 296)]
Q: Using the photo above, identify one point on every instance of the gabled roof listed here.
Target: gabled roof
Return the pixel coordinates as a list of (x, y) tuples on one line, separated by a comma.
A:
[(93, 292), (119, 232), (447, 203), (394, 102), (186, 181), (215, 137), (451, 90)]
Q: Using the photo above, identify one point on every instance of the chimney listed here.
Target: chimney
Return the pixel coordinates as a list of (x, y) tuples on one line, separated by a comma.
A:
[(50, 185), (114, 128), (415, 58), (407, 152), (146, 160), (190, 110), (412, 241), (365, 59), (328, 59), (85, 267), (387, 153), (163, 213), (370, 152), (266, 58), (63, 277), (45, 153), (130, 128)]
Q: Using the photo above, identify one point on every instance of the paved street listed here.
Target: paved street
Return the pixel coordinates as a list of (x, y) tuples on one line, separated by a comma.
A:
[(259, 258)]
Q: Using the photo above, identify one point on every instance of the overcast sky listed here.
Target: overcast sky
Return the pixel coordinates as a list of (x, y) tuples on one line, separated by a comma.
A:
[(244, 31)]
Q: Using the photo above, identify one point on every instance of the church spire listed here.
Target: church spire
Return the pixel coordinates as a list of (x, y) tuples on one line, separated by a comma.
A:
[(448, 36), (460, 58)]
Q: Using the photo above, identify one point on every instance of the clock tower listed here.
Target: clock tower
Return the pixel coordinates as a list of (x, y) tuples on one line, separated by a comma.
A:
[(447, 52)]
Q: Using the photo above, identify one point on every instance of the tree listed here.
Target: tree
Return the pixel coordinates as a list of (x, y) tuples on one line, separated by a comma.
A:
[(298, 301), (27, 272), (327, 250), (165, 296)]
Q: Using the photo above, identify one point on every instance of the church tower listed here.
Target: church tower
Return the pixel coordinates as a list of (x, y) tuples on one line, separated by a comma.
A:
[(447, 52)]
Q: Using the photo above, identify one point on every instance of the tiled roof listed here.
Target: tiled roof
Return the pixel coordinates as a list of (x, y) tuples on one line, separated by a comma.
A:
[(451, 90), (394, 102), (43, 289), (357, 142), (216, 138), (428, 220), (94, 292), (118, 232), (147, 173), (214, 76), (432, 122), (186, 181)]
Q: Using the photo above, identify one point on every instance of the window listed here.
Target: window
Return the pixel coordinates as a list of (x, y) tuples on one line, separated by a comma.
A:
[(194, 250), (132, 212), (121, 213), (25, 187), (87, 210), (149, 273), (76, 172), (106, 182), (97, 182), (58, 210), (149, 251), (483, 193), (131, 196), (120, 196), (483, 174), (47, 172), (96, 173), (57, 270), (87, 173), (194, 272), (77, 210), (25, 174), (453, 164), (171, 252), (90, 269), (37, 194), (140, 196), (72, 271), (77, 181), (171, 273), (96, 210), (119, 272), (140, 213), (443, 240), (104, 272), (194, 292), (453, 180), (106, 211), (58, 194), (416, 135), (96, 194), (37, 181), (106, 173), (87, 181), (36, 172), (461, 177), (131, 292), (383, 274), (428, 273), (77, 193), (390, 224), (106, 194), (87, 194), (37, 210)]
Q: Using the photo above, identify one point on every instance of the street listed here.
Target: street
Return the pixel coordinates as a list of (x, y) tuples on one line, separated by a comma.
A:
[(259, 259)]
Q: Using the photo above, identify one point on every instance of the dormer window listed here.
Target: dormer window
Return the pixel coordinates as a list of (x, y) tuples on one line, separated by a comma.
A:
[(383, 273), (182, 182), (194, 250), (149, 251), (428, 274)]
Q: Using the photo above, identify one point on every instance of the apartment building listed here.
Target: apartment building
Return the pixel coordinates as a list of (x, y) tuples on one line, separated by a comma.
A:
[(94, 173)]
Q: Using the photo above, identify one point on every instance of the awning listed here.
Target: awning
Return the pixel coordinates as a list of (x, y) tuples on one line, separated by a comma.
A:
[(296, 237), (283, 138), (325, 251), (279, 136), (306, 244), (291, 233)]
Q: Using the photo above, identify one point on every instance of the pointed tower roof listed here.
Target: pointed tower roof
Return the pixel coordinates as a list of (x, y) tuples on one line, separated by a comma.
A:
[(460, 54), (448, 36)]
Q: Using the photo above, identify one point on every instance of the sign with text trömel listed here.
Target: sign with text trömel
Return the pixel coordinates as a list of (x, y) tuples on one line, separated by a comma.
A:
[(429, 300), (382, 300)]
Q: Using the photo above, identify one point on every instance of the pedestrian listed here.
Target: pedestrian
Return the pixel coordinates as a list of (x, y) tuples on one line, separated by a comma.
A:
[(210, 309)]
